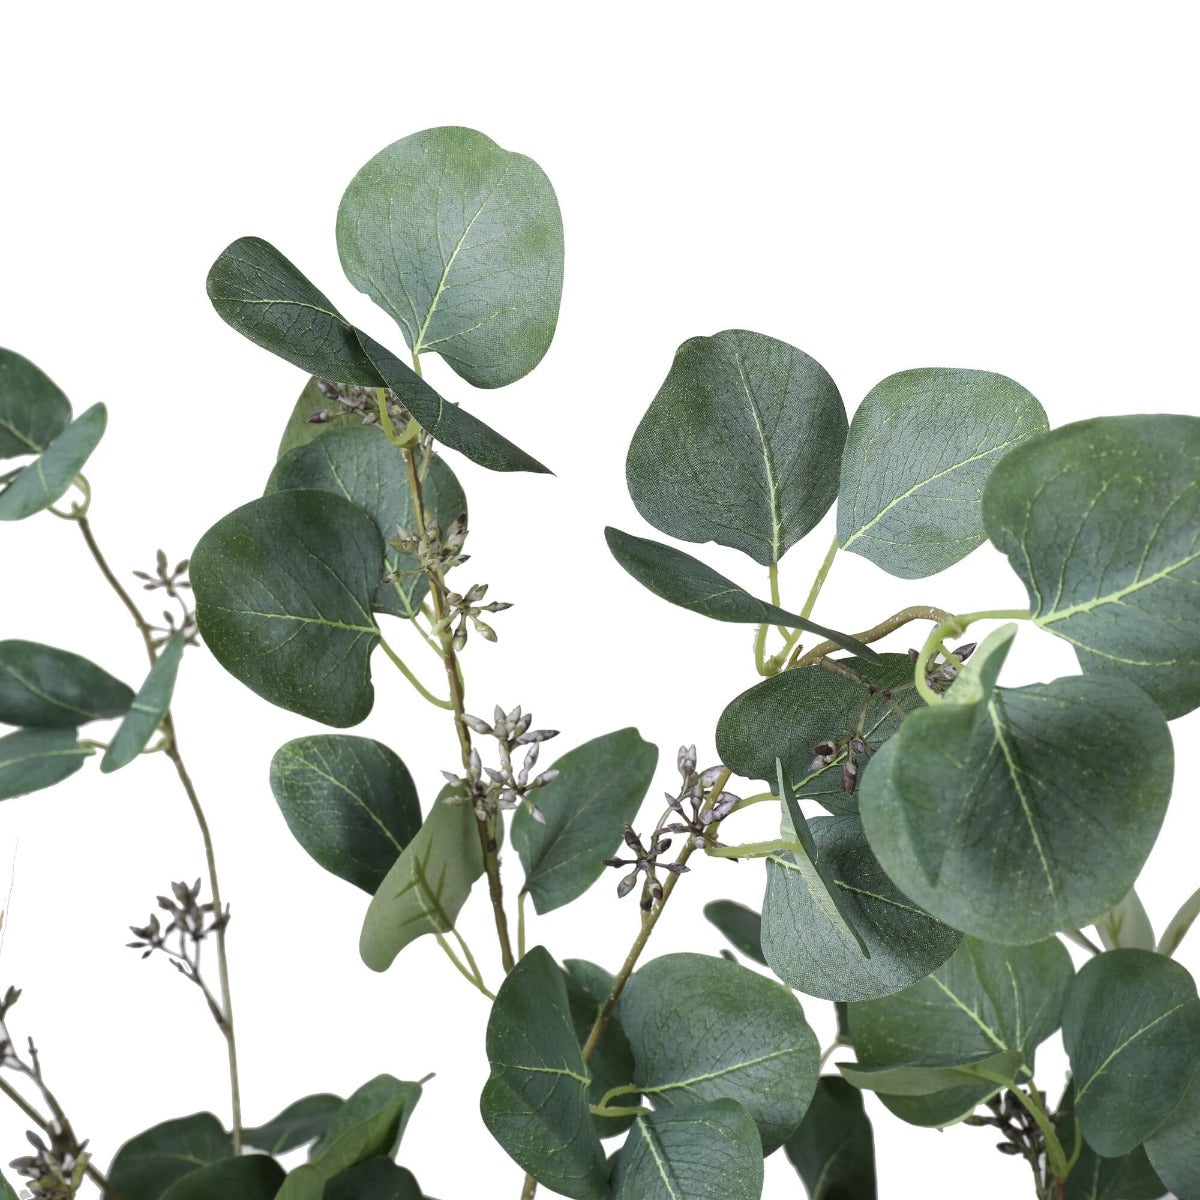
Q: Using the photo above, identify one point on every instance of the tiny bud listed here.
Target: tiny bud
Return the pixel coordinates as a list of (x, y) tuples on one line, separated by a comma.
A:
[(913, 655), (320, 417), (608, 862), (514, 716), (460, 637), (849, 778), (686, 760), (858, 746), (476, 767), (531, 756), (476, 725), (626, 885), (521, 726), (662, 846), (1008, 1148), (450, 777), (535, 812), (825, 749), (676, 868), (546, 777), (711, 775), (536, 735), (962, 653), (631, 839)]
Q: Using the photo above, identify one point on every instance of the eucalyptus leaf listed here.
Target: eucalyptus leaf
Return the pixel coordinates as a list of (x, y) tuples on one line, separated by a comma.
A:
[(1127, 924), (283, 591), (686, 581), (742, 445), (300, 431), (535, 1102), (40, 483), (42, 687), (1101, 520), (1128, 1177), (789, 715), (909, 502), (747, 1040), (147, 709), (349, 801), (374, 1179), (742, 926), (250, 1177), (148, 1164), (33, 409), (6, 1190), (695, 1152), (426, 886), (1179, 924), (461, 242), (361, 465), (298, 1124), (1131, 1028), (32, 759), (363, 1106), (601, 787), (1174, 1147), (986, 1000), (833, 1151), (930, 1077)]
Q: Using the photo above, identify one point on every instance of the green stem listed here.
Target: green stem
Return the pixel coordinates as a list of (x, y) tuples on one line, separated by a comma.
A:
[(819, 582), (1055, 1154), (1081, 939), (917, 612), (953, 626), (633, 1110), (624, 1089), (472, 976), (773, 577), (521, 923), (407, 673)]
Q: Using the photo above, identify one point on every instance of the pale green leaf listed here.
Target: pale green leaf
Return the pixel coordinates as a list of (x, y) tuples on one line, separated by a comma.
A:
[(42, 687), (147, 709), (40, 483), (33, 409)]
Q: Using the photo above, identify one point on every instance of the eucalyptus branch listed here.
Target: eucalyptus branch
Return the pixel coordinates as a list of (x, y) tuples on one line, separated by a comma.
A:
[(918, 612)]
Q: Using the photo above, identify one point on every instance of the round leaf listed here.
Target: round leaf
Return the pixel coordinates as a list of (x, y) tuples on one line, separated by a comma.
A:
[(1174, 1148), (252, 1177), (33, 410), (349, 801), (742, 445), (39, 484), (31, 759), (1129, 1177), (1101, 520), (42, 687), (911, 502), (297, 1125), (150, 1162), (707, 1029), (1131, 1028), (833, 1151), (462, 243), (147, 710), (283, 591), (300, 431), (375, 1179)]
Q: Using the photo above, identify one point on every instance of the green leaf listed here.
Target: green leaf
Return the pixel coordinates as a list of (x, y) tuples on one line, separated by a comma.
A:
[(300, 431), (742, 926), (925, 1078), (789, 715), (297, 1125), (694, 1152), (147, 709), (611, 1064), (283, 591), (461, 242), (1129, 1177), (535, 1102), (32, 759), (40, 483), (1127, 924), (6, 1191), (375, 1179), (266, 299), (833, 1151), (449, 424), (33, 410), (806, 941), (911, 502), (601, 787), (742, 445), (1174, 1148), (985, 1000), (426, 886), (252, 1177), (1028, 812), (681, 579), (146, 1165), (362, 466), (1179, 924), (705, 1028), (363, 1105), (349, 801), (1131, 1028), (1101, 520), (42, 687)]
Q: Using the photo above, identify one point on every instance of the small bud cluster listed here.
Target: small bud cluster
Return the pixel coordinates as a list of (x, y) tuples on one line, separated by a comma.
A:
[(54, 1172), (856, 750), (467, 607), (490, 790), (9, 1059), (940, 672), (174, 583), (190, 919), (436, 552), (645, 862), (360, 401), (1018, 1127)]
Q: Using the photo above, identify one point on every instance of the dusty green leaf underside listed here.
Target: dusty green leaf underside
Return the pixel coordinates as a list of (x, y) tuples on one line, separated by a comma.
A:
[(833, 1151), (1174, 1148), (147, 709), (33, 409), (300, 431), (374, 1179), (32, 759), (910, 502), (1129, 1177), (1101, 520), (461, 242), (741, 446), (40, 483), (741, 926), (283, 590), (42, 687)]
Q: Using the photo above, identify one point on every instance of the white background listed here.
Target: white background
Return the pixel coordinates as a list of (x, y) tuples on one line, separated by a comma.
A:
[(1008, 188)]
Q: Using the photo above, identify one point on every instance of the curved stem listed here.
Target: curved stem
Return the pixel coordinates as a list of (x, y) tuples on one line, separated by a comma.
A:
[(917, 612), (407, 673), (1081, 939), (953, 626)]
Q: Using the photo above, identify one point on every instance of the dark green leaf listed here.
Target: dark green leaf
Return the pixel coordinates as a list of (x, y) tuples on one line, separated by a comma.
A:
[(150, 1162), (930, 1078), (375, 1179), (1131, 1028), (266, 299), (363, 1105), (910, 502), (810, 950), (535, 1102), (426, 886), (833, 1151), (31, 759), (33, 410), (39, 484), (742, 445), (449, 424), (461, 242), (1101, 520), (694, 1152), (602, 786), (296, 1125), (681, 579), (985, 1000), (1129, 1177), (361, 465), (349, 801), (790, 714), (1174, 1148), (704, 1028), (283, 598), (300, 431), (252, 1177), (6, 1191), (42, 687), (148, 708), (741, 925)]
